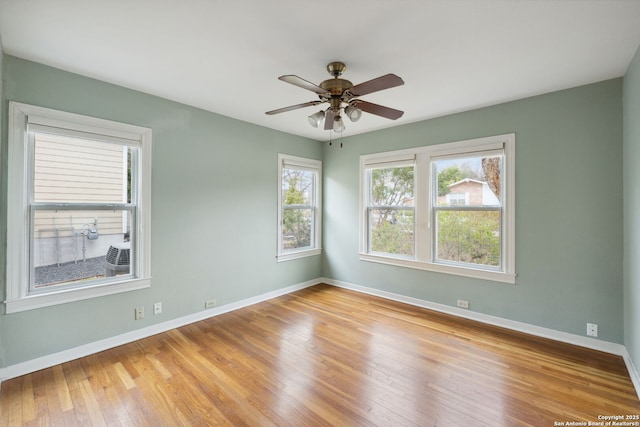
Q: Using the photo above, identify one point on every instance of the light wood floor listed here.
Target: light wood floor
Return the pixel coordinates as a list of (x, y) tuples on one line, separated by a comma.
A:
[(327, 356)]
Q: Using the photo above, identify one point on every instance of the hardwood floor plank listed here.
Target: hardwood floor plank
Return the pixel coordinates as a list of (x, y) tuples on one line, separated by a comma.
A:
[(28, 400), (325, 356)]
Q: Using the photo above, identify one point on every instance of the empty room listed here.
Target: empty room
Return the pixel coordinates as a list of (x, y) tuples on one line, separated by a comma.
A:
[(349, 213)]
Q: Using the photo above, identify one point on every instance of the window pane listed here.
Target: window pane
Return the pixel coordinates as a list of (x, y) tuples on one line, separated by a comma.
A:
[(469, 236), (297, 187), (469, 181), (392, 231), (296, 228), (74, 170), (392, 186), (71, 247)]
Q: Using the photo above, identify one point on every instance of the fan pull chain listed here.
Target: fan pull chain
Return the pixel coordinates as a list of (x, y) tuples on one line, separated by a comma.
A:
[(331, 139)]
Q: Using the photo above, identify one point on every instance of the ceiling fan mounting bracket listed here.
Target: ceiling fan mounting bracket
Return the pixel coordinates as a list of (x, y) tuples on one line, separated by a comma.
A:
[(336, 68)]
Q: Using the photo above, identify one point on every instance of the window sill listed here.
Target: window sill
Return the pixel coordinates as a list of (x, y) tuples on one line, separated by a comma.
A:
[(32, 302), (298, 254), (496, 276)]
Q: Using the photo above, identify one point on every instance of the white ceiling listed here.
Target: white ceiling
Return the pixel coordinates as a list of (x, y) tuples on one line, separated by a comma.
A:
[(225, 56)]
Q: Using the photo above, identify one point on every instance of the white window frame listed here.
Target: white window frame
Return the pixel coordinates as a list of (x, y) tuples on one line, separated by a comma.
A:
[(315, 166), (424, 194), (24, 117)]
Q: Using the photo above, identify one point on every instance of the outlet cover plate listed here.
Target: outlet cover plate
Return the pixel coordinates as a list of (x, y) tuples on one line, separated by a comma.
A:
[(463, 303)]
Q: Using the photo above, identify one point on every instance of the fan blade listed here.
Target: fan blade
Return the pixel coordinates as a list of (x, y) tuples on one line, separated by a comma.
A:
[(304, 84), (328, 119), (384, 82), (379, 110), (293, 107)]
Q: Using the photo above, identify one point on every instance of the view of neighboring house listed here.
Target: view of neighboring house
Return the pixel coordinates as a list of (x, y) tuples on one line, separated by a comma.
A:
[(469, 192)]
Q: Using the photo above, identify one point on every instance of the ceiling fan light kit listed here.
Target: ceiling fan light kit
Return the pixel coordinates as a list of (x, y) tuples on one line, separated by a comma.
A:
[(316, 118), (342, 97), (353, 113)]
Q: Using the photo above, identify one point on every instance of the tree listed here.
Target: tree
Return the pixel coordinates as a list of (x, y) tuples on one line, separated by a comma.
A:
[(448, 176), (296, 216), (472, 237), (392, 223), (491, 168)]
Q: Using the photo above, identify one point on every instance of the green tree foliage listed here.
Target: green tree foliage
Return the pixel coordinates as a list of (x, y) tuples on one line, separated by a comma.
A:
[(392, 225), (469, 236), (448, 176), (394, 236)]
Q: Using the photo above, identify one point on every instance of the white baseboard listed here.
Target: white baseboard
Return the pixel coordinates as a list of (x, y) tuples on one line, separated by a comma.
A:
[(47, 361), (50, 360), (633, 372)]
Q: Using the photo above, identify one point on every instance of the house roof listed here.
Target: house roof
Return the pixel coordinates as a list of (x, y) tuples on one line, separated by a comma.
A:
[(225, 56), (463, 181)]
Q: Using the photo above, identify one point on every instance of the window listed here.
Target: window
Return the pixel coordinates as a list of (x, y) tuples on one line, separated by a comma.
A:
[(391, 209), (78, 211), (299, 214), (448, 208), (467, 229)]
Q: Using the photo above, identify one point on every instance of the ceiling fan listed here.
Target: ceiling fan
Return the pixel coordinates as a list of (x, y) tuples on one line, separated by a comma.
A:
[(342, 96)]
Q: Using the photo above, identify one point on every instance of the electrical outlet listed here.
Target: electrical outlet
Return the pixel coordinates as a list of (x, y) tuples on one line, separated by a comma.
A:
[(463, 303), (592, 329), (210, 303), (139, 313), (157, 308)]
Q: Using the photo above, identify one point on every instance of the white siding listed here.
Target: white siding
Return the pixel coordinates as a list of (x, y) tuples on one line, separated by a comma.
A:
[(74, 170)]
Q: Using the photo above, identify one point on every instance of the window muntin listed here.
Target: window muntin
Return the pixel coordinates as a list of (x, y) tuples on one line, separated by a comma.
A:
[(78, 186), (483, 202), (391, 210), (299, 218)]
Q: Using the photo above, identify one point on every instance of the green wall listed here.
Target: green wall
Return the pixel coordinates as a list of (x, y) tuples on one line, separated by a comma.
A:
[(631, 151), (214, 212), (568, 211)]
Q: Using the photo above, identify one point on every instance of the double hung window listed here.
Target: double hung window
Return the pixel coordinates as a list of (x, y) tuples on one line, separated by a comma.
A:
[(78, 214), (299, 213), (447, 208), (391, 208)]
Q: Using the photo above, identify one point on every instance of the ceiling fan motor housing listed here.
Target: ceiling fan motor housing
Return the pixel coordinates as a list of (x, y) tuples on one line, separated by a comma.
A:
[(336, 86)]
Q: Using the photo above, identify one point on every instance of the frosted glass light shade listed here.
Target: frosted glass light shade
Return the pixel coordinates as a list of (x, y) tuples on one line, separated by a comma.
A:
[(353, 113), (316, 118)]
